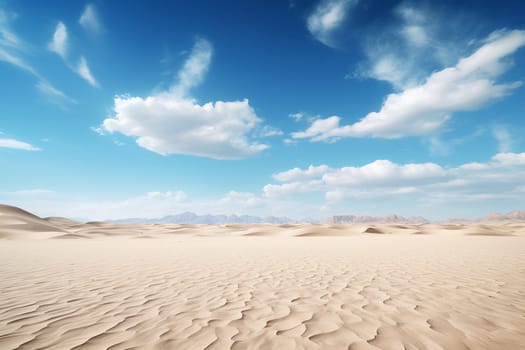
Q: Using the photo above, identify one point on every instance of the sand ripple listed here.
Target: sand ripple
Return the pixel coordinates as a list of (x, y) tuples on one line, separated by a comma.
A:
[(277, 292)]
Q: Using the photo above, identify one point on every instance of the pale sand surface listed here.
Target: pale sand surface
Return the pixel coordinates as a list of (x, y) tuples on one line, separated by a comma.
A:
[(259, 286)]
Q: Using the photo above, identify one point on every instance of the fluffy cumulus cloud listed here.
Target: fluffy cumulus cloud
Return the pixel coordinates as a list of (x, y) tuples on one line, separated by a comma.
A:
[(89, 19), (424, 109), (173, 122), (500, 177), (16, 144), (327, 17)]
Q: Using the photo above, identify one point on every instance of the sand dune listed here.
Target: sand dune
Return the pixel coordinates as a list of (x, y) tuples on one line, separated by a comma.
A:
[(259, 286)]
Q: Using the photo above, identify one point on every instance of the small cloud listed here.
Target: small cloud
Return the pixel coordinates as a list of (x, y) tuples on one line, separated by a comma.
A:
[(327, 17), (16, 144), (83, 70), (296, 116), (56, 95), (177, 196), (89, 19), (502, 134), (34, 192), (99, 130), (268, 131), (59, 42)]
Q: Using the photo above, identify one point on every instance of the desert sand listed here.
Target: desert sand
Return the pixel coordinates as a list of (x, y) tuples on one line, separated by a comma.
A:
[(70, 285)]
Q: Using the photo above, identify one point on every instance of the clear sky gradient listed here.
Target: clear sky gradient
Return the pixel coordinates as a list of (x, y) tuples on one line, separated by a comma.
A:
[(293, 108)]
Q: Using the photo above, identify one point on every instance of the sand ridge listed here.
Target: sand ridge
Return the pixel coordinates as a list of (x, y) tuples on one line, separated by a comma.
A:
[(16, 223), (259, 286)]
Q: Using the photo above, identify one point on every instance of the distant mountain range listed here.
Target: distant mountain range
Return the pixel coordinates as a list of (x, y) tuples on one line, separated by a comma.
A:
[(192, 218), (365, 219), (513, 216)]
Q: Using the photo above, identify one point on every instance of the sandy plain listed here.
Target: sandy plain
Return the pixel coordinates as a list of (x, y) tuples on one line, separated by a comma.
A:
[(69, 285)]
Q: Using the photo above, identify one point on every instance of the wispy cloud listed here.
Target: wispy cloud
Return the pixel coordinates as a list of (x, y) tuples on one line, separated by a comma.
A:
[(53, 93), (173, 122), (16, 144), (502, 134), (424, 109), (83, 70), (59, 43), (7, 37), (89, 19), (405, 50), (17, 61), (11, 46), (195, 68), (327, 17), (29, 193), (12, 50)]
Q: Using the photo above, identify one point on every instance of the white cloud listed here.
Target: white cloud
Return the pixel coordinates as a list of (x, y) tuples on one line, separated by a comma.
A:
[(17, 61), (291, 188), (59, 45), (7, 37), (508, 159), (16, 144), (319, 128), (240, 200), (23, 193), (383, 172), (296, 116), (166, 124), (172, 122), (423, 109), (416, 43), (297, 174), (89, 19), (504, 138), (56, 95), (12, 50), (155, 205), (414, 26), (327, 17), (11, 46), (83, 70), (59, 42), (428, 189), (378, 188), (268, 131), (177, 196), (195, 68)]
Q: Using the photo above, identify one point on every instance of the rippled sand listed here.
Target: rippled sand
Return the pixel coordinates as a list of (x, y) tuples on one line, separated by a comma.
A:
[(259, 287)]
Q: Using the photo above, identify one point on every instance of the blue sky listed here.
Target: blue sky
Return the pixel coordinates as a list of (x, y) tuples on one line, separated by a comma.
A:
[(296, 108)]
